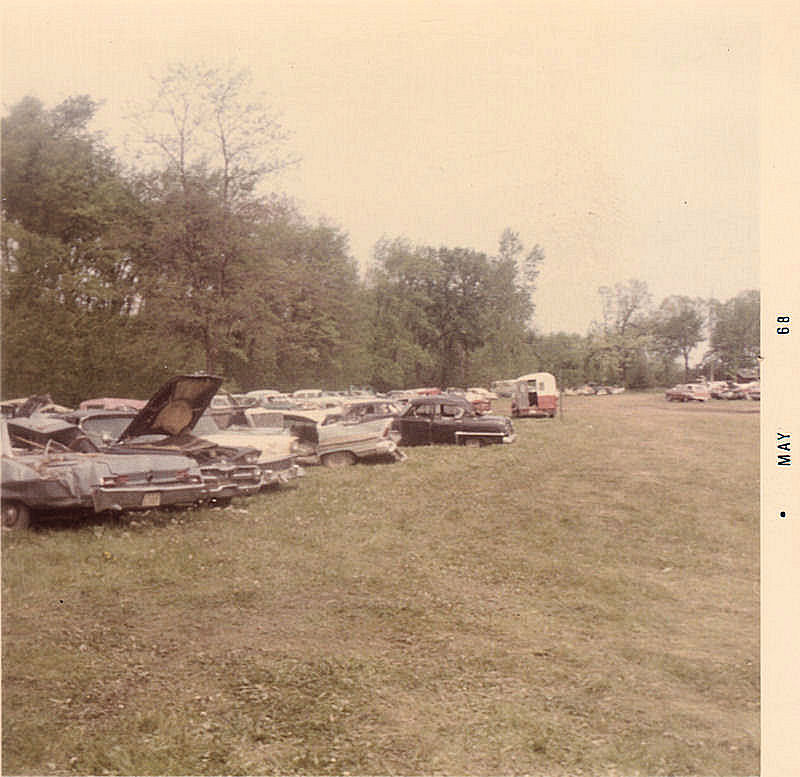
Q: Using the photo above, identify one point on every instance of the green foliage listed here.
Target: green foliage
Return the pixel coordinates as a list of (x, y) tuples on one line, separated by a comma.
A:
[(678, 329), (69, 287), (619, 343), (113, 281), (735, 334), (563, 355), (450, 316), (315, 299)]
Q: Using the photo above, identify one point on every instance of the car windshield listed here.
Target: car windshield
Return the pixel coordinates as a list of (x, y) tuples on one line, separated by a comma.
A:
[(266, 420), (206, 425), (453, 411), (106, 429)]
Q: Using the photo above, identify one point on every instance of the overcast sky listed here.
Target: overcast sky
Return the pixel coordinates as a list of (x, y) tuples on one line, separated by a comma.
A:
[(620, 137)]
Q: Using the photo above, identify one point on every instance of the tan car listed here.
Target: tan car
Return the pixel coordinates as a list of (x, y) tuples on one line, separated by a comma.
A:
[(687, 392), (334, 442)]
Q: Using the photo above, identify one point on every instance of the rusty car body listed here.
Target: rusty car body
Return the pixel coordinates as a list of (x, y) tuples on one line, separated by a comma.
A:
[(165, 424), (278, 448), (49, 466), (688, 392), (332, 441)]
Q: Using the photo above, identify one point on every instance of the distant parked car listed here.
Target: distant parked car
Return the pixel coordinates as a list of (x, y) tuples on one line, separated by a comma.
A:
[(687, 392), (503, 388), (23, 407), (450, 419), (264, 396), (222, 407), (734, 391)]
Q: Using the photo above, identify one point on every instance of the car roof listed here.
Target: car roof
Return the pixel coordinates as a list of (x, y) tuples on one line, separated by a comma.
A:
[(99, 413), (437, 399)]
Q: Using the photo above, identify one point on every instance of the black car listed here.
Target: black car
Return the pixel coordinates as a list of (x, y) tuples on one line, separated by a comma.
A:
[(441, 418)]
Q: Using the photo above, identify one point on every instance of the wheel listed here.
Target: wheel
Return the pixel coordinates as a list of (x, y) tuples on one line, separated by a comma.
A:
[(338, 459), (16, 516)]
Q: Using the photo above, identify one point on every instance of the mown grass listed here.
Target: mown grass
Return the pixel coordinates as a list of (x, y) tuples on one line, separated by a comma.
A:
[(584, 601)]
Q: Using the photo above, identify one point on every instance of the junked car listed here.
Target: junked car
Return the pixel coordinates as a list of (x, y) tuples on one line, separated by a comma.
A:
[(265, 395), (687, 392), (278, 448), (165, 424), (451, 419), (336, 442), (23, 407), (53, 478), (479, 401)]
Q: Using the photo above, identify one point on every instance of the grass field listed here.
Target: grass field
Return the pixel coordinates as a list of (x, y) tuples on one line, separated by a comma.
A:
[(584, 601)]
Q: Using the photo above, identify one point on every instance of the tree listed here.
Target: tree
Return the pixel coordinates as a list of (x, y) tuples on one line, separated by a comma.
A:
[(448, 316), (511, 250), (69, 286), (201, 265), (509, 333), (620, 340), (315, 298), (563, 355), (736, 333), (678, 328)]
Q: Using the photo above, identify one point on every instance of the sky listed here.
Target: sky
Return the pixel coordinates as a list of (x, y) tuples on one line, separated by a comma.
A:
[(622, 138)]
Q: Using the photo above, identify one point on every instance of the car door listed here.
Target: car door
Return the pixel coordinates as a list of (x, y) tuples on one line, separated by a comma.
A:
[(446, 422), (415, 425)]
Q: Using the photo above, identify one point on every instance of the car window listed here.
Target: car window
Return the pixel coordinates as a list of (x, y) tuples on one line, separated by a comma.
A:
[(266, 420), (452, 411), (424, 411), (105, 429), (206, 425)]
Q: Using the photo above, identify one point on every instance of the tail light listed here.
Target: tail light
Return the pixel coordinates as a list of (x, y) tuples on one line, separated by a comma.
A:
[(115, 480)]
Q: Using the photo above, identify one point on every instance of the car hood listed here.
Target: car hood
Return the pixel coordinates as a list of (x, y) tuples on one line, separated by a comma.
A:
[(269, 445), (175, 408)]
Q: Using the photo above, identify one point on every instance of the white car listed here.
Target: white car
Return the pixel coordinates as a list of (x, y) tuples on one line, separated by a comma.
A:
[(278, 449)]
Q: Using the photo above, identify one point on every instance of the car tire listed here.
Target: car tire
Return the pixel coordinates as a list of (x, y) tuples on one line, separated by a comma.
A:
[(16, 516), (338, 459)]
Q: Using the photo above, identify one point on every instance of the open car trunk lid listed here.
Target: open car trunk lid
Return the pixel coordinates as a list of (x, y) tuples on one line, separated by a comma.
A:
[(175, 408)]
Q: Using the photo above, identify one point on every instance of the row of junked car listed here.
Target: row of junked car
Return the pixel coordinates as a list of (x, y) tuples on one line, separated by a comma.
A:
[(177, 450), (701, 392)]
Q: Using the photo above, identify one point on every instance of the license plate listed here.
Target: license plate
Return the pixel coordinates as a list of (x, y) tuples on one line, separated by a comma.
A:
[(151, 499)]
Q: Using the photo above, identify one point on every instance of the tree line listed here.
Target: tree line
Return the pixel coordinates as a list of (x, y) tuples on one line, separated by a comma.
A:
[(117, 277)]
